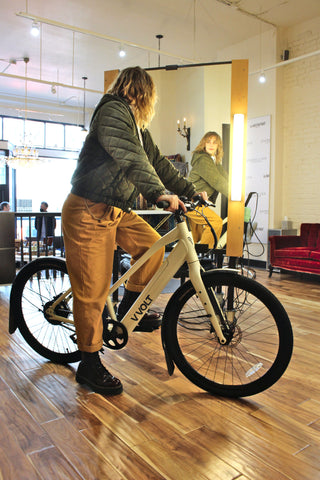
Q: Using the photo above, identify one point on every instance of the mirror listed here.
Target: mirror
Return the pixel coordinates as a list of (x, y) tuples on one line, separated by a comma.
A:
[(199, 93), (202, 95)]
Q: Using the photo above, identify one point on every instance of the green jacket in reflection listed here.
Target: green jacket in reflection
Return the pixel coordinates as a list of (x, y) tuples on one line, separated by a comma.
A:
[(207, 176)]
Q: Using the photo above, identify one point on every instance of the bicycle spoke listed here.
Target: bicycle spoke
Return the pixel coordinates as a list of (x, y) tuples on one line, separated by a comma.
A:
[(250, 360)]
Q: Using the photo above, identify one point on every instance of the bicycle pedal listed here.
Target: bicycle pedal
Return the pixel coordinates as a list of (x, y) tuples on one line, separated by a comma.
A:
[(138, 328)]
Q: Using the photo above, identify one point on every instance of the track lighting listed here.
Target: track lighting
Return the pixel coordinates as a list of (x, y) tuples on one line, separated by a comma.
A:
[(35, 29), (122, 52), (262, 78)]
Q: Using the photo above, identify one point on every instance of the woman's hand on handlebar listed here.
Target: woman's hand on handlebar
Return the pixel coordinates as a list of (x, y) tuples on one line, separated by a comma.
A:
[(201, 198), (203, 195), (174, 202)]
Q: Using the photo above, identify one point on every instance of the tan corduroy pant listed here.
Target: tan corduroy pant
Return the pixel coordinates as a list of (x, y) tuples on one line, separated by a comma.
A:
[(91, 232), (199, 228)]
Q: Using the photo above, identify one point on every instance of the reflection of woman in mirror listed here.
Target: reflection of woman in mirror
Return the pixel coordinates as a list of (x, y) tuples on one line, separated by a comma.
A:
[(207, 174)]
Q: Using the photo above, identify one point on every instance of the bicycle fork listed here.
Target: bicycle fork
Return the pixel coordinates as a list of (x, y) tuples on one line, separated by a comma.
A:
[(211, 305), (209, 301)]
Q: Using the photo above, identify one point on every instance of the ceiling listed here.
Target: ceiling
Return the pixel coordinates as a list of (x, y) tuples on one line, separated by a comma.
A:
[(193, 31)]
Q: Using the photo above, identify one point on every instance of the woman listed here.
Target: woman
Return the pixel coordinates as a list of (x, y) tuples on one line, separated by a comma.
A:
[(207, 174), (117, 162)]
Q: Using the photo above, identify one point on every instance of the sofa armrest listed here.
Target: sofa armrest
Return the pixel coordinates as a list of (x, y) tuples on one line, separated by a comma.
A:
[(285, 241)]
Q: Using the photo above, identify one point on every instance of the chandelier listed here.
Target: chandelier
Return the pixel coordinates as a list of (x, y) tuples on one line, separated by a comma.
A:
[(24, 155)]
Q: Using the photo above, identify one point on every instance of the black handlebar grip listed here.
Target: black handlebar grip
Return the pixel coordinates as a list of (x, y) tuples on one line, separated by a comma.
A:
[(163, 204)]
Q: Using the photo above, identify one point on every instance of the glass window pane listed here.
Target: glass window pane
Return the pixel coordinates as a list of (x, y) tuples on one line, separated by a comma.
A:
[(2, 172), (74, 137), (13, 130), (35, 133), (54, 135), (45, 183)]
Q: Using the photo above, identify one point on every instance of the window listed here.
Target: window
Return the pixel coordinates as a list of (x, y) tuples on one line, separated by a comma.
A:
[(54, 135), (35, 133), (2, 173), (74, 137), (49, 182), (13, 130)]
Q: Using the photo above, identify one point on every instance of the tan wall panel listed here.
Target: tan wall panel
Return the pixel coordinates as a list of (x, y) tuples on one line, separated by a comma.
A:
[(109, 77), (239, 104)]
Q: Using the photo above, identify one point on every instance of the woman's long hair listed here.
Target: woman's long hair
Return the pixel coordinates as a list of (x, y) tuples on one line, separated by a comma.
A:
[(202, 145), (136, 86)]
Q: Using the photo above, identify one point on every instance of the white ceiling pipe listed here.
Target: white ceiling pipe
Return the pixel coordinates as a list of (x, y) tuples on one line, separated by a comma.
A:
[(286, 62)]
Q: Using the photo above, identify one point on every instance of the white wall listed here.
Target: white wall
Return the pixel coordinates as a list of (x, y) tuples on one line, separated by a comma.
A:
[(291, 96), (301, 125)]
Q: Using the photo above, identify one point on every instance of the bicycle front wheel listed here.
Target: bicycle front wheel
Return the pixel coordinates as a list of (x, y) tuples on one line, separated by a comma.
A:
[(258, 350), (34, 289)]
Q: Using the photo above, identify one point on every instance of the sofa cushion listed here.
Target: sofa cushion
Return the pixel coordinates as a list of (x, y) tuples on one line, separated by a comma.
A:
[(295, 252), (298, 264), (310, 234), (315, 255)]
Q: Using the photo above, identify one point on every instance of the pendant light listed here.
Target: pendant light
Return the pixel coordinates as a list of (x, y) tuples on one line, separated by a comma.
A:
[(24, 155), (84, 105)]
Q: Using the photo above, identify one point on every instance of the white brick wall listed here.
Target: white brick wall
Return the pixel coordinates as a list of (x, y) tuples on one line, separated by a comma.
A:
[(301, 126)]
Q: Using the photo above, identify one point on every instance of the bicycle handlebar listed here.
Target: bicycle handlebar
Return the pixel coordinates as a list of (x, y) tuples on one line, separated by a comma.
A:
[(196, 201), (191, 205)]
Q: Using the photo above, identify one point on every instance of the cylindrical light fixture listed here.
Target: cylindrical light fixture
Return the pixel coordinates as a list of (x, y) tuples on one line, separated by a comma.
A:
[(237, 157), (35, 29), (122, 52), (262, 78)]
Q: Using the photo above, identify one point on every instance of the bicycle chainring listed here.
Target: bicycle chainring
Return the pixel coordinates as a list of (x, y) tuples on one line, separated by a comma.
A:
[(115, 334)]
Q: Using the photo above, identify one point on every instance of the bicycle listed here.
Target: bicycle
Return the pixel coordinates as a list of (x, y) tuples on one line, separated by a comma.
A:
[(226, 333)]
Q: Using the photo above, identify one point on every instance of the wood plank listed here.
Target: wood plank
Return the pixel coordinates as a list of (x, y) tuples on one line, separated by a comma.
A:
[(13, 462), (23, 426), (85, 458), (39, 407), (50, 463), (122, 457), (60, 388), (115, 420), (186, 459)]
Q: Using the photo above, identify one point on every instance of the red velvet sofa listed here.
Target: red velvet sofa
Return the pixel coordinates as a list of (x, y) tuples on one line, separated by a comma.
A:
[(299, 253)]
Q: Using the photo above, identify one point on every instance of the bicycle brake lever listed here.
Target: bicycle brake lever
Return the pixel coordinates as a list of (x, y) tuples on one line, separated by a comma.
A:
[(198, 201)]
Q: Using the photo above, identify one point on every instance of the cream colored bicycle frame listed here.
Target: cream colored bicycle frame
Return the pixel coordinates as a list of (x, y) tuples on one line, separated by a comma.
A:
[(183, 251)]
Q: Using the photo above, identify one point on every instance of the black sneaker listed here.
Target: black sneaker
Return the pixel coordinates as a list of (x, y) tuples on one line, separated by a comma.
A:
[(94, 374)]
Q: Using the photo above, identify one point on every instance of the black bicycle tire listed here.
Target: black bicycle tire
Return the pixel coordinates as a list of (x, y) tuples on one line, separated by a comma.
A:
[(17, 291), (212, 279)]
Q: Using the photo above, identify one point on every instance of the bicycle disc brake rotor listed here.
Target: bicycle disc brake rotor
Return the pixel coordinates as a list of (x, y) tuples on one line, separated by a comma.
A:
[(115, 335)]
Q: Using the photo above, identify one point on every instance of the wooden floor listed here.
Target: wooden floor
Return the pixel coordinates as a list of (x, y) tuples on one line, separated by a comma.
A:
[(161, 427)]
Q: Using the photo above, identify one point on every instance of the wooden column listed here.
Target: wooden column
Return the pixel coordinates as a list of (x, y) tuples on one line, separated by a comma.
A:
[(109, 77), (239, 104)]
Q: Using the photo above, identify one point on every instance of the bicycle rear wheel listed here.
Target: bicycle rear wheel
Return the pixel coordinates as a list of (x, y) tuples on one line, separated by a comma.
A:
[(259, 350), (34, 289)]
